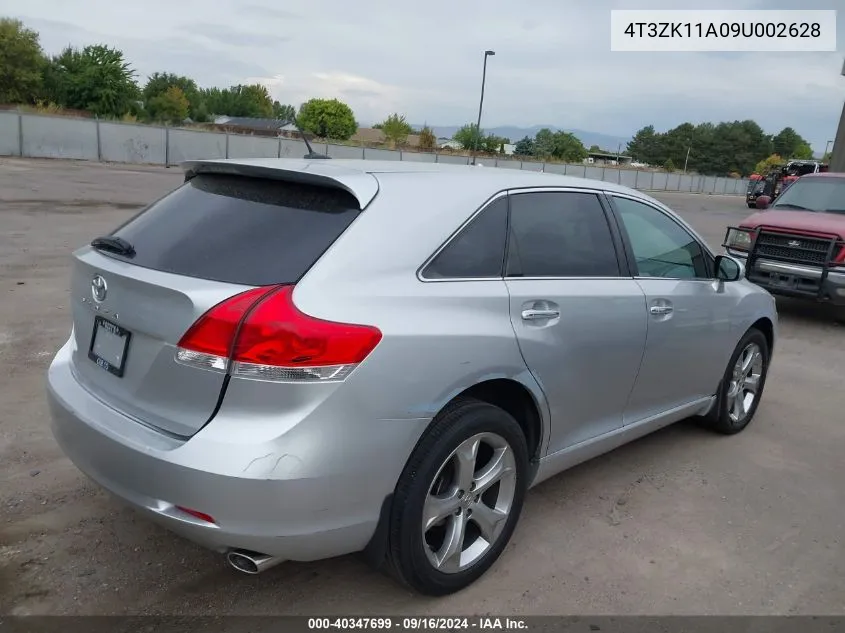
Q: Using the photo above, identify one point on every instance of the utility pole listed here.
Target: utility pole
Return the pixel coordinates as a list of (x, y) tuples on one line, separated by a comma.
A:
[(480, 105), (686, 160)]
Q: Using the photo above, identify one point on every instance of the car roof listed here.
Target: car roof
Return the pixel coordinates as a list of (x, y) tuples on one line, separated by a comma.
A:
[(360, 177), (825, 174)]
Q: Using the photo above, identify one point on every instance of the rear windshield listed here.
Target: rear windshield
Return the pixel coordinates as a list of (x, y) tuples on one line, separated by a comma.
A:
[(821, 194), (239, 230)]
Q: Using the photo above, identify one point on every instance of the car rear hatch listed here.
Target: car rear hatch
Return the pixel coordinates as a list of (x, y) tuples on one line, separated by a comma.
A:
[(228, 230)]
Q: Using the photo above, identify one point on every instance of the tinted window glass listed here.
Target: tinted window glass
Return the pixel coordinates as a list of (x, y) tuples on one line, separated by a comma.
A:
[(478, 251), (239, 230), (662, 248), (560, 235)]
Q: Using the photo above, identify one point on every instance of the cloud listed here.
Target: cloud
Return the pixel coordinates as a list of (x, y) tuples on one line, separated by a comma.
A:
[(552, 65), (228, 36)]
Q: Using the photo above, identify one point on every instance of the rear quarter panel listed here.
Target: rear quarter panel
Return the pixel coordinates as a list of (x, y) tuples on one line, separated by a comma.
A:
[(439, 337)]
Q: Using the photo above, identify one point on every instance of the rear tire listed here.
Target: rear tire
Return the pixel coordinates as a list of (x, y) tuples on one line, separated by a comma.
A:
[(752, 205), (459, 498), (742, 385)]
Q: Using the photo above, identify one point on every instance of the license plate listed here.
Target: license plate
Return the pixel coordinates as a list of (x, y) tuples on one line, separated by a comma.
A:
[(109, 344)]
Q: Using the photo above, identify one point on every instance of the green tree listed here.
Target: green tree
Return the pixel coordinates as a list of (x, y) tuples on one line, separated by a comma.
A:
[(171, 106), (97, 79), (396, 129), (646, 146), (242, 101), (21, 63), (595, 149), (544, 143), (675, 143), (327, 118), (789, 144), (159, 83), (803, 152), (493, 144), (283, 111), (469, 137), (669, 165), (524, 147), (768, 164), (568, 147), (255, 99), (428, 140)]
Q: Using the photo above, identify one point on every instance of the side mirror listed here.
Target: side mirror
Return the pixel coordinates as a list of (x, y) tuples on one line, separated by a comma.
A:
[(728, 268), (763, 202)]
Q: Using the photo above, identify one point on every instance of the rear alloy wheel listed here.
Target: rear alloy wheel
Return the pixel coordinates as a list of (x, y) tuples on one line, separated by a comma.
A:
[(459, 499), (742, 385)]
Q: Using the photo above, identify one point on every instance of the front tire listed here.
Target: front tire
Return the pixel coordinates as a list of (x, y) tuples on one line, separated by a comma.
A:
[(459, 498), (742, 385)]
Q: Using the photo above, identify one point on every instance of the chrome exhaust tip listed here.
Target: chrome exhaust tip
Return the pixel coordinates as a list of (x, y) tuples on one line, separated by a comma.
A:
[(251, 562)]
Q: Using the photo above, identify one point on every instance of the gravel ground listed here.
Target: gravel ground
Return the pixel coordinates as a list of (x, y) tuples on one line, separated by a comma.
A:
[(680, 522)]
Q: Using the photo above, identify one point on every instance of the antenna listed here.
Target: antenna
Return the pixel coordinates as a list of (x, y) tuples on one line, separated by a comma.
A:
[(311, 153)]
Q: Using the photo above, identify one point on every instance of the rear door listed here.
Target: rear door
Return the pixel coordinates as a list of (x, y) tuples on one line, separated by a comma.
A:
[(579, 317), (689, 313), (214, 237)]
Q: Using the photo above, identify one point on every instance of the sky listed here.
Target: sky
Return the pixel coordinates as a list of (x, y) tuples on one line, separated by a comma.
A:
[(553, 63)]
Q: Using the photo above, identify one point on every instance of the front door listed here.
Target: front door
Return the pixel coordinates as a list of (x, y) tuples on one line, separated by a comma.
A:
[(581, 324), (688, 312)]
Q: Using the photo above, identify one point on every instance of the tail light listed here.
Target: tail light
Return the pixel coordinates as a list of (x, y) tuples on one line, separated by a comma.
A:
[(261, 334)]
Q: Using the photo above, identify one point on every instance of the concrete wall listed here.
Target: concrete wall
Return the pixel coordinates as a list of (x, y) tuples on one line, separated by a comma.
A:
[(120, 143), (38, 136)]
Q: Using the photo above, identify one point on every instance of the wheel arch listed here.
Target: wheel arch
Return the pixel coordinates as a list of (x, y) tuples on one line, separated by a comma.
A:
[(525, 402)]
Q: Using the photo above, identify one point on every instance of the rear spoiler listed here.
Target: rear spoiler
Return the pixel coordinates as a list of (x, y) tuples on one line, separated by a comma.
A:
[(361, 184)]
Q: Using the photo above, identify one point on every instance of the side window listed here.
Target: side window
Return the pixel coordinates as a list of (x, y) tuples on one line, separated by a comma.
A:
[(557, 234), (661, 246), (478, 251)]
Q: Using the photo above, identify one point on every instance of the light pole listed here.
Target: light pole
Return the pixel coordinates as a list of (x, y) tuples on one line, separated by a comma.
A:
[(826, 148), (480, 105)]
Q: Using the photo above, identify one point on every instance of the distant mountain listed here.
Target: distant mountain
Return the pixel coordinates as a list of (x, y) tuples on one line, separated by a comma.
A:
[(605, 141)]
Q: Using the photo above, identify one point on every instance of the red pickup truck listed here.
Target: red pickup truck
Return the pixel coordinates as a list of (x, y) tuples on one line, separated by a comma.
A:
[(795, 246)]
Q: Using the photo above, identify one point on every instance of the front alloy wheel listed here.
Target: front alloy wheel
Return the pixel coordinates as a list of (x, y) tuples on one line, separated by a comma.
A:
[(742, 385), (745, 382)]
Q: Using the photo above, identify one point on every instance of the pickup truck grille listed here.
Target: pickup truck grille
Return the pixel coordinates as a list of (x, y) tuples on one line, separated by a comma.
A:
[(793, 248)]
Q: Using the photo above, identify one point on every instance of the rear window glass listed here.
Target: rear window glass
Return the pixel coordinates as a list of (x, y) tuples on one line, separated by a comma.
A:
[(478, 251), (239, 230)]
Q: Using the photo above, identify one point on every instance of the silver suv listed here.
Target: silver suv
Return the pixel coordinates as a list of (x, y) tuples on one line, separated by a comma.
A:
[(295, 360)]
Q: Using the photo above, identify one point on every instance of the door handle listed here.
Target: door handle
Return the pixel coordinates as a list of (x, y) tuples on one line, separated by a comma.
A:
[(658, 310), (533, 315)]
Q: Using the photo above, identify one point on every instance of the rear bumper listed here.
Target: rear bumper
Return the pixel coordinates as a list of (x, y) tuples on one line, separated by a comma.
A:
[(796, 280), (286, 497)]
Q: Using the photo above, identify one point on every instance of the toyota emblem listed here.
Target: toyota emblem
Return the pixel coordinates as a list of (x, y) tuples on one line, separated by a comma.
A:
[(98, 288)]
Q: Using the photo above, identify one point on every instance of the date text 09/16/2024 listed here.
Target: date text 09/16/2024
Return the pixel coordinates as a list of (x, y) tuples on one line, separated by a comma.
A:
[(418, 623)]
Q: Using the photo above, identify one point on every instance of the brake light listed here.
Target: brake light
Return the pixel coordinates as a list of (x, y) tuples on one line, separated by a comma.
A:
[(261, 334)]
